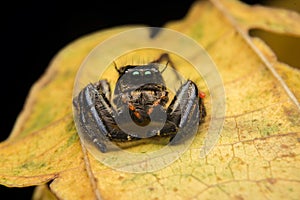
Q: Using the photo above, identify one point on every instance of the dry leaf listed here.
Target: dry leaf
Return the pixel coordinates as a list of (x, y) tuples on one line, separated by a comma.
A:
[(257, 156)]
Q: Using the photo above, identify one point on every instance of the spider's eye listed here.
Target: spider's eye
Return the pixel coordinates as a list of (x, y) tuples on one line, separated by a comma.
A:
[(135, 73), (148, 73)]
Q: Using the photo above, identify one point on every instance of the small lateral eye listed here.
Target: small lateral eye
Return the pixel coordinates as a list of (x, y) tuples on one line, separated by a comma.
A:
[(148, 73), (135, 73)]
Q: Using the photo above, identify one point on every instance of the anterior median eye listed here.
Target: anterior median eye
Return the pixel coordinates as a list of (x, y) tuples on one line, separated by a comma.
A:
[(136, 73), (148, 72)]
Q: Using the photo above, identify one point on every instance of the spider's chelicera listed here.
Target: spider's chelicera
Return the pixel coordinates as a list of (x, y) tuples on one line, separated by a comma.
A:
[(137, 108)]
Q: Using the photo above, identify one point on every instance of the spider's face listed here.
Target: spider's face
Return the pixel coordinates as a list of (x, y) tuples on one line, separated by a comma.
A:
[(133, 77)]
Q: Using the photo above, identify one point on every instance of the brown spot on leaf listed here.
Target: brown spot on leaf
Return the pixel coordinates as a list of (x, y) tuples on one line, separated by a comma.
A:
[(289, 155), (238, 197), (284, 146), (175, 189), (272, 180), (292, 115)]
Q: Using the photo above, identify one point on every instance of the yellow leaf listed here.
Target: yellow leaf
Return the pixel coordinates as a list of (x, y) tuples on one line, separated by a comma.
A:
[(42, 192), (256, 157)]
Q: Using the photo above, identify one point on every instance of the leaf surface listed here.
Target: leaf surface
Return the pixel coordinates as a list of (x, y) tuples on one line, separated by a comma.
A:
[(257, 155)]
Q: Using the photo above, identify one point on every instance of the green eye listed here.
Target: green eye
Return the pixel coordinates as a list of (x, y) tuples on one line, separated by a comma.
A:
[(135, 73), (148, 72)]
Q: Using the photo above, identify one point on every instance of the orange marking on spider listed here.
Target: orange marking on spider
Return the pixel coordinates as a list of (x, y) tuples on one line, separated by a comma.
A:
[(137, 114), (201, 95), (131, 107), (150, 110)]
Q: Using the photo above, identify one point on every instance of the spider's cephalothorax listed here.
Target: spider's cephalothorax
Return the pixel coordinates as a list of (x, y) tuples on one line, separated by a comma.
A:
[(138, 108)]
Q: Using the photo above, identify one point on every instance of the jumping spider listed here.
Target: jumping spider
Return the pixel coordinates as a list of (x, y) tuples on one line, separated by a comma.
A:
[(140, 98)]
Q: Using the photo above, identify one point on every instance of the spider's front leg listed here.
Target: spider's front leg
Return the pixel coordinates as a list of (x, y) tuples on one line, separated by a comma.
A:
[(186, 112), (96, 116)]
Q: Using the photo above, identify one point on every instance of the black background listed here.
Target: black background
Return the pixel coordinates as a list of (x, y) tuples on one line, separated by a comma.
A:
[(32, 32)]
